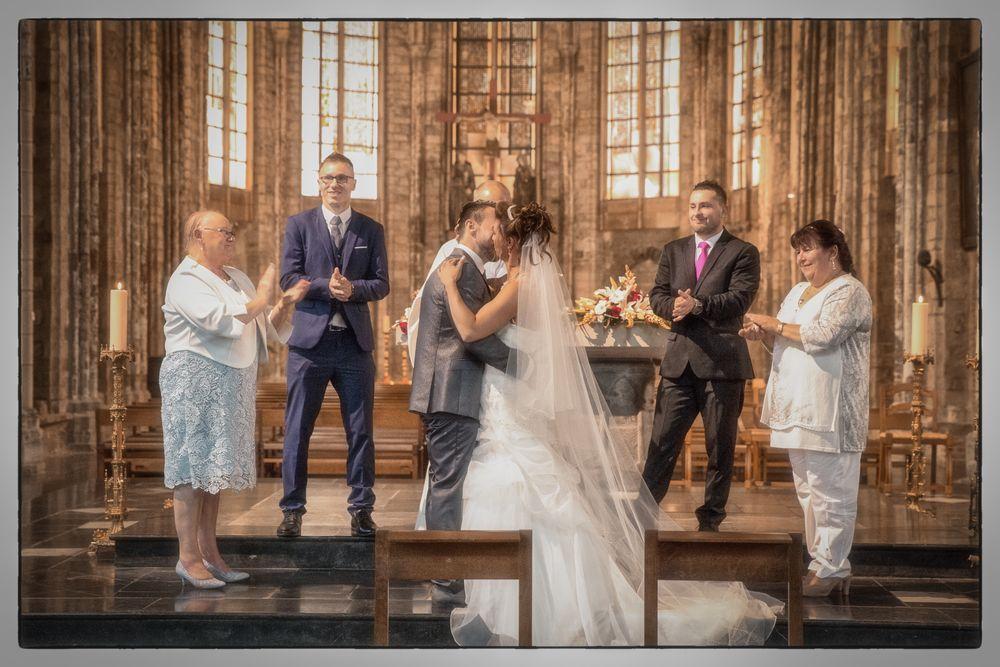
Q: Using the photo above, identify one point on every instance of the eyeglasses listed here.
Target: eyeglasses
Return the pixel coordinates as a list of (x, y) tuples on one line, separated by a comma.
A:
[(230, 233), (341, 179)]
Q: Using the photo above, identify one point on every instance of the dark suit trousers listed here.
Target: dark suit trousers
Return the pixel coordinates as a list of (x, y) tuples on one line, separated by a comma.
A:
[(450, 442), (678, 402), (337, 360)]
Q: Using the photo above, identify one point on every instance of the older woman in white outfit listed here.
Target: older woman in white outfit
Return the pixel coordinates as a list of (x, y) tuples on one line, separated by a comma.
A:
[(816, 402), (216, 325)]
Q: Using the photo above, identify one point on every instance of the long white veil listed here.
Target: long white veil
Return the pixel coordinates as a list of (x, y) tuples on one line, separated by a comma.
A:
[(558, 393), (554, 390)]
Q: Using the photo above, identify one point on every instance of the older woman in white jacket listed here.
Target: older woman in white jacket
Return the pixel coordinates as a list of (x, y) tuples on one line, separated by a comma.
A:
[(816, 402), (216, 325)]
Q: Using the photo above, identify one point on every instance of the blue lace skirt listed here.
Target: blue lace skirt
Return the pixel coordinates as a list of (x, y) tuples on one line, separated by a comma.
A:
[(208, 423)]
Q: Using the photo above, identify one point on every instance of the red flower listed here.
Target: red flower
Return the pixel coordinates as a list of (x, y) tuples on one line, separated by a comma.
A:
[(402, 326), (614, 311), (634, 295)]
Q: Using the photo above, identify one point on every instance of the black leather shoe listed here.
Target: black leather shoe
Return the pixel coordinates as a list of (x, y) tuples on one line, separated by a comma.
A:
[(291, 525), (362, 524), (707, 528)]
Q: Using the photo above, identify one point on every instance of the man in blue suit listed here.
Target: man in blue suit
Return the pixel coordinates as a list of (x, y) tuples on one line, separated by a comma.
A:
[(342, 254)]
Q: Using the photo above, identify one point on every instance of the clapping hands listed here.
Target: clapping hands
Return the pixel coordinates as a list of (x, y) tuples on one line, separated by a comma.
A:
[(341, 288), (683, 304), (751, 330), (265, 286), (295, 293)]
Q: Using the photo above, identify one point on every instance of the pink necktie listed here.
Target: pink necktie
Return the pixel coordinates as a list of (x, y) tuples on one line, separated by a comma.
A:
[(699, 263)]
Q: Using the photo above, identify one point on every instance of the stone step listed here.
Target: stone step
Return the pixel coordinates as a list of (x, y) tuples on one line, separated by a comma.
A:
[(148, 544)]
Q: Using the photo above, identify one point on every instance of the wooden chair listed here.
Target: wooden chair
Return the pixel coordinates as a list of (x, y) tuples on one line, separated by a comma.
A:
[(895, 431), (416, 555), (747, 557)]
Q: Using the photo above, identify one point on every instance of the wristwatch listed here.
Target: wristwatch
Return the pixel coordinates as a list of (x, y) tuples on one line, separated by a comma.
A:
[(698, 308)]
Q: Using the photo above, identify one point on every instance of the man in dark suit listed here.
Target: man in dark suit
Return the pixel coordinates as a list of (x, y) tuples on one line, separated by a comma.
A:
[(705, 283), (342, 254)]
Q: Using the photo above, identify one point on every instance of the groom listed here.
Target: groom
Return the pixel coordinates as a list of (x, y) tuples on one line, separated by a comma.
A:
[(448, 376), (705, 283)]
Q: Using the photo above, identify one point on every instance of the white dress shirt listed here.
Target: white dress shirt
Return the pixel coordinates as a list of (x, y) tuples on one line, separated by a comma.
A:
[(711, 241), (200, 311), (345, 219)]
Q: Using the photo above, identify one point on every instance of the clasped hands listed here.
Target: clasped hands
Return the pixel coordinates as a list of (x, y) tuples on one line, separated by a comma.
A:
[(757, 327), (341, 288), (683, 304)]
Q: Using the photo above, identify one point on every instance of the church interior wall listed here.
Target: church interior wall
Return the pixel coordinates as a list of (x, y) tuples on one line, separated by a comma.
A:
[(112, 145)]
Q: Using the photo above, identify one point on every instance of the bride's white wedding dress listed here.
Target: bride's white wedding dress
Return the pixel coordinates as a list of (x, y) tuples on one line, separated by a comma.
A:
[(547, 461)]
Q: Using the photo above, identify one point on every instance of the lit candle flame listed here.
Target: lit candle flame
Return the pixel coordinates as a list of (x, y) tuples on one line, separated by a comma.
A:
[(120, 286), (920, 299)]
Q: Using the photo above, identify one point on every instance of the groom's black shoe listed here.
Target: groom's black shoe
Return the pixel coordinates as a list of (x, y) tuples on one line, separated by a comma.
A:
[(291, 525), (362, 524), (444, 592)]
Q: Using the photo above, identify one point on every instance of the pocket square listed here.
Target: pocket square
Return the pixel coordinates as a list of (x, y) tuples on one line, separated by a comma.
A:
[(361, 247)]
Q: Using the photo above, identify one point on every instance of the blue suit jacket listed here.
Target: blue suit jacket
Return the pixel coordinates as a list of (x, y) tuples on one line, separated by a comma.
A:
[(308, 253)]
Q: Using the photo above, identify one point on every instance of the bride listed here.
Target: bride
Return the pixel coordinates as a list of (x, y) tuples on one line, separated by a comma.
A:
[(548, 460)]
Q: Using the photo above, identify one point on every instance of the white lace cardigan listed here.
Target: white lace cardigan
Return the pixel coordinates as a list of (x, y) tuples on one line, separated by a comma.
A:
[(845, 320)]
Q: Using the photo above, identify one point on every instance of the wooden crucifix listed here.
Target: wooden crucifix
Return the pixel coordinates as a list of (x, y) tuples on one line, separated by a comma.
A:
[(491, 119)]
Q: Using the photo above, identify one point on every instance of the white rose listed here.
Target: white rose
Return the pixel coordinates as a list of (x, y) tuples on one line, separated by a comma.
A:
[(601, 306)]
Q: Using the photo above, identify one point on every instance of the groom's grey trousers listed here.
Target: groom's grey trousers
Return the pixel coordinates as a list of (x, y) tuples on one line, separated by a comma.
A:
[(450, 441)]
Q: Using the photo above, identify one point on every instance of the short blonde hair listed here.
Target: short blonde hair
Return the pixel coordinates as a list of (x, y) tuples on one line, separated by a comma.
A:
[(195, 221)]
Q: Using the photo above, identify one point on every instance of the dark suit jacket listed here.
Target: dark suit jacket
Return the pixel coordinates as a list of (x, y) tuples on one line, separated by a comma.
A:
[(447, 372), (308, 253), (709, 342)]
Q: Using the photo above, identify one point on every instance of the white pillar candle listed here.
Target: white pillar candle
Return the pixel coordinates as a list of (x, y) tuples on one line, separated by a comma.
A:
[(119, 319), (918, 327)]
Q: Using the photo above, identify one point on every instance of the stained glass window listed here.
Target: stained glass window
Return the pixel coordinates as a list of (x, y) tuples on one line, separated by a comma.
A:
[(642, 131), (340, 100), (494, 68), (746, 102), (228, 103)]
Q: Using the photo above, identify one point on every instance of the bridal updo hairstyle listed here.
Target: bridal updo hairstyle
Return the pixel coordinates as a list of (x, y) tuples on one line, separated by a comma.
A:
[(521, 222), (827, 235)]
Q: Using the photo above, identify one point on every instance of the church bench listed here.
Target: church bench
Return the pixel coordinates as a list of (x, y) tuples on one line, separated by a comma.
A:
[(415, 555), (751, 558), (143, 437), (399, 447)]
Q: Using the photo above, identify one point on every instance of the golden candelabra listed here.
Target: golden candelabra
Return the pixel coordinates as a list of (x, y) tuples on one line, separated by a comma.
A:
[(115, 508), (975, 502), (915, 464)]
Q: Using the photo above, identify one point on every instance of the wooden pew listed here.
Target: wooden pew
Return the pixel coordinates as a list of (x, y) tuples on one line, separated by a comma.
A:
[(143, 437), (399, 441), (747, 557), (416, 555)]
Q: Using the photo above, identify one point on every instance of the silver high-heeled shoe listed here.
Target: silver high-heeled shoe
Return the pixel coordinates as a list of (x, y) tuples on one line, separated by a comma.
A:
[(230, 577), (197, 583)]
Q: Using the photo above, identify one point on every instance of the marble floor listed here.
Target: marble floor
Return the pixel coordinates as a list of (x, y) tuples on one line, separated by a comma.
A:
[(59, 577)]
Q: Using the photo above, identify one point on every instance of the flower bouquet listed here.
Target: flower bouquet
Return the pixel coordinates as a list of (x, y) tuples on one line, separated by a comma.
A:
[(400, 326), (621, 302)]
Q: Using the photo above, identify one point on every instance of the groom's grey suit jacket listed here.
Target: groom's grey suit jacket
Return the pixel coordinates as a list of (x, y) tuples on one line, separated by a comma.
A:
[(448, 373)]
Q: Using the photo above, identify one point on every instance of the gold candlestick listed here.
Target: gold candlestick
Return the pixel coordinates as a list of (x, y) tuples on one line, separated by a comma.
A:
[(915, 461), (975, 502), (115, 484)]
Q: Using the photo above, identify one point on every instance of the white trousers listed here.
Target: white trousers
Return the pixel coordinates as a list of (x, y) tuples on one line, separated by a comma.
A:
[(827, 487)]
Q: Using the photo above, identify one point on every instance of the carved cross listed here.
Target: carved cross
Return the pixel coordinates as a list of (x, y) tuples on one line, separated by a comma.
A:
[(492, 119)]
